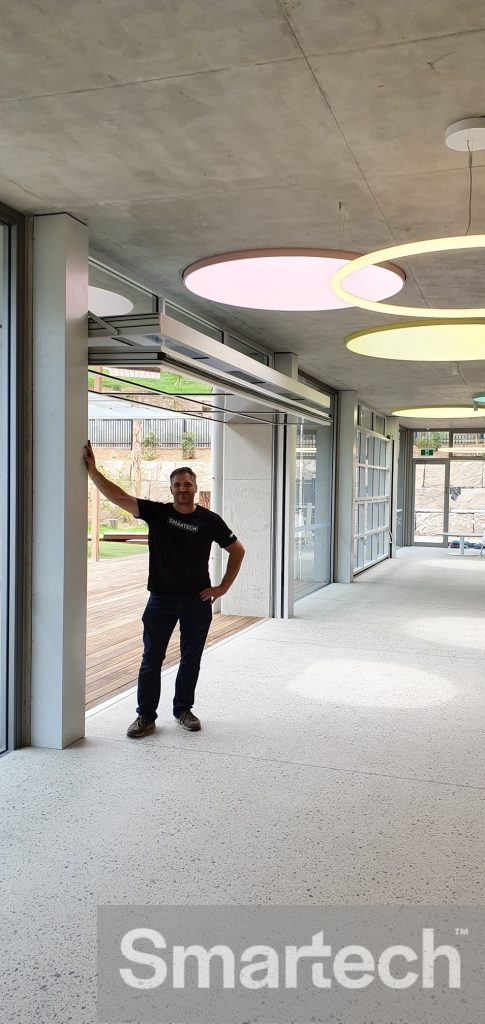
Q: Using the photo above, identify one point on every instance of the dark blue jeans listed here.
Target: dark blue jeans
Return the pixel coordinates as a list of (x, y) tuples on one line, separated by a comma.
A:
[(159, 620)]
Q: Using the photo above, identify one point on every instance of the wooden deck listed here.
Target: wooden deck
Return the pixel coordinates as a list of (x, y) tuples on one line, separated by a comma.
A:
[(116, 598)]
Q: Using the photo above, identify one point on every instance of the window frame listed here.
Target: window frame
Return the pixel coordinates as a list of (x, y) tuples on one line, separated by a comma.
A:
[(15, 398)]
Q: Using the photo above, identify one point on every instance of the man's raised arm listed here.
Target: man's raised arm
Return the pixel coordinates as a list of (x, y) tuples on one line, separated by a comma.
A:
[(111, 491)]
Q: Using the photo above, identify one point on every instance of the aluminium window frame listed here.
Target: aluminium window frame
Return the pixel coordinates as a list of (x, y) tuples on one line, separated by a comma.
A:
[(15, 454)]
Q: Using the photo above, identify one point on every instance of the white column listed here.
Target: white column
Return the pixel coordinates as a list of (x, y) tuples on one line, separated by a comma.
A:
[(284, 520), (286, 362), (392, 425), (344, 504), (217, 489), (60, 346), (248, 510)]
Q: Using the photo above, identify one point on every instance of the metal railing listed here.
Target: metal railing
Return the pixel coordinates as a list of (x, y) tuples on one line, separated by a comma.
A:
[(163, 433), (111, 433), (168, 433)]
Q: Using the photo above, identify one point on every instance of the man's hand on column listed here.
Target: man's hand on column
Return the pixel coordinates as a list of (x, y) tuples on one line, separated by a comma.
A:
[(89, 460)]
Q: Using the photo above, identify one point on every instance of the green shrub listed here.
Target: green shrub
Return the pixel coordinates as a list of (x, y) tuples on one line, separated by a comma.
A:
[(187, 444), (149, 441)]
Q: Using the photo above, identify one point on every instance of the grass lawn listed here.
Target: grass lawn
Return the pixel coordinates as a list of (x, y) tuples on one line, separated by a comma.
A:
[(169, 383), (112, 549)]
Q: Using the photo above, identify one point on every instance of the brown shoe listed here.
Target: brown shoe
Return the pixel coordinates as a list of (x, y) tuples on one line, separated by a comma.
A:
[(140, 727), (189, 721)]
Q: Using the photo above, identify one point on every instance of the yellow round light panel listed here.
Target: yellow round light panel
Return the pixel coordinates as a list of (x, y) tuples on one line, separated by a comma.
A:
[(440, 341), (430, 245), (441, 412)]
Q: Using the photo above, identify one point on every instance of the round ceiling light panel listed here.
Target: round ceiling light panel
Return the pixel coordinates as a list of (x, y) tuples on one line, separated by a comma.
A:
[(440, 412), (105, 303), (427, 247), (438, 341), (286, 279)]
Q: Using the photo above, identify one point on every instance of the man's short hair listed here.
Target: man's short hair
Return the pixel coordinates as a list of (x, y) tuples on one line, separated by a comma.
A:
[(183, 469)]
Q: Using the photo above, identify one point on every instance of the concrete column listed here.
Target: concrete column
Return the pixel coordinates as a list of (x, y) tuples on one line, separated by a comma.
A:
[(284, 520), (60, 348), (286, 362), (217, 489), (248, 510), (392, 425), (344, 504)]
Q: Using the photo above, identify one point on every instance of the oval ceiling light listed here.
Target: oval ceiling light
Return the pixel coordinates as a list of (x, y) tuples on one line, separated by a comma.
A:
[(426, 247), (105, 303), (439, 341), (440, 412), (286, 279)]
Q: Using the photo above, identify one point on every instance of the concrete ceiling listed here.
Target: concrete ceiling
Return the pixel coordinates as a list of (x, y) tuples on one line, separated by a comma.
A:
[(180, 128)]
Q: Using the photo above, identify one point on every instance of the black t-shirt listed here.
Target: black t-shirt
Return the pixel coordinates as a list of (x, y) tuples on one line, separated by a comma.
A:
[(180, 546)]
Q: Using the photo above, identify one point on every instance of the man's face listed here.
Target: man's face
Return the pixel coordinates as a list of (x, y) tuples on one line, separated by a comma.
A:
[(184, 489)]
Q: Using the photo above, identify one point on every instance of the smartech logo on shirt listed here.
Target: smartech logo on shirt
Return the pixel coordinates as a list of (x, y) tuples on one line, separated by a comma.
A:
[(190, 527)]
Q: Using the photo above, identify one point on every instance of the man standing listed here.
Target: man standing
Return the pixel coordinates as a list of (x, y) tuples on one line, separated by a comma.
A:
[(180, 535)]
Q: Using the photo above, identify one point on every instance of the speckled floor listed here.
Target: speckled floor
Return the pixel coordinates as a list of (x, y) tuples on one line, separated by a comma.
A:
[(341, 761)]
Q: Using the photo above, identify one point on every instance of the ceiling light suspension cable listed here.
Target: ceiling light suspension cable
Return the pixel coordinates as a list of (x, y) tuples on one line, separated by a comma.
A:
[(470, 186)]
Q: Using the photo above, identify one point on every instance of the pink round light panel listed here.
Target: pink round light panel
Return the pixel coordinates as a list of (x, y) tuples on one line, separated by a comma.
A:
[(286, 279)]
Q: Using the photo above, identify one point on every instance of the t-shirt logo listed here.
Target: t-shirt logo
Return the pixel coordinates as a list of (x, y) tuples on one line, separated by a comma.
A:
[(190, 527)]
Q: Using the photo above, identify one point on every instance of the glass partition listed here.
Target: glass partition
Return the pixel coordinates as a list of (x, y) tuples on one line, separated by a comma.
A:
[(430, 512), (4, 493), (111, 294), (448, 487), (466, 496), (8, 491), (313, 508)]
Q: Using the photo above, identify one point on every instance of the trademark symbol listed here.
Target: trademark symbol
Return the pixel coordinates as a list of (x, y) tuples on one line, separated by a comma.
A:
[(461, 931)]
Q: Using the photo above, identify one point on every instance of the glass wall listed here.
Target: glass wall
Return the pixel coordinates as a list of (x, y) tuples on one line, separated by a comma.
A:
[(9, 497), (430, 485), (3, 489), (313, 508), (448, 487), (14, 454), (111, 294)]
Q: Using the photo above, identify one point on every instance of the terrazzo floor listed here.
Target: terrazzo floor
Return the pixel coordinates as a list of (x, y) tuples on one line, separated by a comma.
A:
[(341, 761)]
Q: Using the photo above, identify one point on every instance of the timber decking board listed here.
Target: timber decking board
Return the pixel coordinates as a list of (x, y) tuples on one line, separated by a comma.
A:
[(117, 595)]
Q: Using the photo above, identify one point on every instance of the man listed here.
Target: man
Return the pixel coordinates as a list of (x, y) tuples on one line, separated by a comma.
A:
[(180, 535)]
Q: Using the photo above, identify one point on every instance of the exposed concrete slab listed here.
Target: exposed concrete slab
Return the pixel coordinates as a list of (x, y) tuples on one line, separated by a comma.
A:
[(50, 48), (417, 206), (352, 25), (393, 104), (176, 135), (166, 138)]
